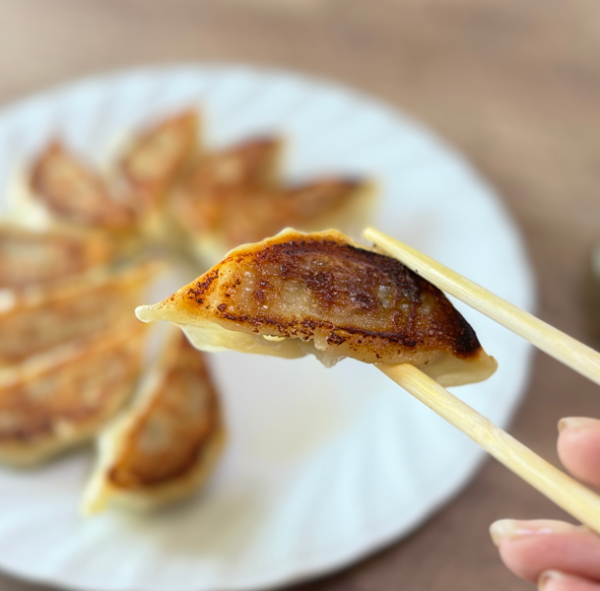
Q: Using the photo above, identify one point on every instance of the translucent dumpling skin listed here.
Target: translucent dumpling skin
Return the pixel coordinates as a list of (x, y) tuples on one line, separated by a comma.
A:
[(322, 289)]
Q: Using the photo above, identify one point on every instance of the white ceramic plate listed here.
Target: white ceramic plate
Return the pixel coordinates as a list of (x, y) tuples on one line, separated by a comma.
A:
[(323, 466)]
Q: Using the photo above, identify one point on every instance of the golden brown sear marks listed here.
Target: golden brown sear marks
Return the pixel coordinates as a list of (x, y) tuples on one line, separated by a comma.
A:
[(32, 258), (340, 295), (41, 319), (200, 202), (65, 396), (235, 194), (157, 157), (251, 163), (346, 300), (312, 200), (73, 193), (249, 216), (167, 439)]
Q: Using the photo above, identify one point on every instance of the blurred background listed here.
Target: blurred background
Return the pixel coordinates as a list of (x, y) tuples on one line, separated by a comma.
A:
[(514, 85)]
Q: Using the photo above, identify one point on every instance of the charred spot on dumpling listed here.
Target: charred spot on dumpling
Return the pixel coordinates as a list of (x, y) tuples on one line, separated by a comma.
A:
[(201, 286)]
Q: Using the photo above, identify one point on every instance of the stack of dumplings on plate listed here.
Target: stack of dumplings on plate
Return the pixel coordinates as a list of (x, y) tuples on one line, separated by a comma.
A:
[(78, 258)]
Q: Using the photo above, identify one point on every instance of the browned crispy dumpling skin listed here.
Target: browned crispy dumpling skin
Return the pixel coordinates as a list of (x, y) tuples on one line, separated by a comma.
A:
[(36, 319), (339, 299), (65, 396), (32, 258), (156, 158), (312, 200), (233, 196), (198, 203), (166, 445), (249, 216), (75, 194)]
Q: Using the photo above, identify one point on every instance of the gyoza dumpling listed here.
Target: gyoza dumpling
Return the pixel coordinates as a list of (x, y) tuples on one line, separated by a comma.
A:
[(200, 203), (197, 202), (28, 257), (321, 293), (74, 194), (251, 215), (165, 446), (156, 157), (39, 318), (233, 196), (63, 397)]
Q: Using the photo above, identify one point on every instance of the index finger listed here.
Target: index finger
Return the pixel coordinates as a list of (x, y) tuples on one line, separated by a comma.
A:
[(579, 448)]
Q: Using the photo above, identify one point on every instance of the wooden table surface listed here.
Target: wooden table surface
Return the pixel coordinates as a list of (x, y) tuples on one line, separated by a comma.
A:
[(515, 85)]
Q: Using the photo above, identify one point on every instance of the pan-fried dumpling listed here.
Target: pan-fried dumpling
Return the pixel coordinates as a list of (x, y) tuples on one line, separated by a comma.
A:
[(197, 202), (251, 215), (63, 397), (321, 293), (200, 203), (73, 193), (156, 158), (219, 215), (35, 319), (28, 257), (166, 445)]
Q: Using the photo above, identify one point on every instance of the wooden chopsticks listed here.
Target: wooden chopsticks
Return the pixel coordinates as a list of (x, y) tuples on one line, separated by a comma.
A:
[(566, 492), (566, 349)]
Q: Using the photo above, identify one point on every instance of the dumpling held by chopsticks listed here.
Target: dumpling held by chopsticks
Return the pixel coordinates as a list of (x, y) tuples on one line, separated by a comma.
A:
[(320, 293)]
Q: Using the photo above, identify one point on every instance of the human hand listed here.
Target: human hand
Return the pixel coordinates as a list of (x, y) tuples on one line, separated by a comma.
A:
[(557, 555)]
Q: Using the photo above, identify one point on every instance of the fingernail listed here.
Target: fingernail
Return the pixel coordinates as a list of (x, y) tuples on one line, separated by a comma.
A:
[(511, 529), (577, 424), (547, 577)]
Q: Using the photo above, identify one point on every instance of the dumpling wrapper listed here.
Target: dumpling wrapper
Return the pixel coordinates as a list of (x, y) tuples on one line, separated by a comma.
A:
[(234, 196), (251, 164), (251, 215), (30, 257), (157, 157), (74, 194), (165, 446), (37, 318), (320, 293), (150, 165), (199, 203), (63, 397)]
